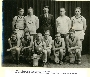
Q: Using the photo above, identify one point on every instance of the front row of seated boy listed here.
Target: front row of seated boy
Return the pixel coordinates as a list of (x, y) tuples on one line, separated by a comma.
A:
[(38, 50)]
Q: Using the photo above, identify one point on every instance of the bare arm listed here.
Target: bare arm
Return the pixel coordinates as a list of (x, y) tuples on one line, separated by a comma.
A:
[(56, 23), (69, 24), (37, 23), (14, 22), (9, 41), (84, 24)]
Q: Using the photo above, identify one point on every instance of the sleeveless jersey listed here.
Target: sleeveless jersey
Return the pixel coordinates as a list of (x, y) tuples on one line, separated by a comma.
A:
[(77, 23), (38, 44), (47, 41), (19, 24), (25, 42), (57, 43)]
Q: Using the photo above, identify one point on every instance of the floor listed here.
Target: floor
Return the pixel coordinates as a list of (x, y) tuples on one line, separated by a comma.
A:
[(85, 63)]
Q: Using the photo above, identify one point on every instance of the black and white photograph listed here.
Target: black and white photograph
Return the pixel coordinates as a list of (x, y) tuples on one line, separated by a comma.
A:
[(46, 33)]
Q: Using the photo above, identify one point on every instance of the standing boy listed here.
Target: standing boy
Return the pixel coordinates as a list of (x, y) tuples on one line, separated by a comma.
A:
[(78, 23)]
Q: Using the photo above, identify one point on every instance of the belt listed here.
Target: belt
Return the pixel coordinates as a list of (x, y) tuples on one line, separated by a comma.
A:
[(20, 29), (78, 30)]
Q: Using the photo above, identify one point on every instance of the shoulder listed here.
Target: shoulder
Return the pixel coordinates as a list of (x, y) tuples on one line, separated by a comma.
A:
[(72, 18), (36, 17), (62, 39), (57, 18), (15, 17), (83, 18), (50, 37), (67, 18)]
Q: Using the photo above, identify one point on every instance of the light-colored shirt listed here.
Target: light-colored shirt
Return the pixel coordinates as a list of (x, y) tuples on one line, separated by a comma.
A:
[(18, 22), (48, 41), (78, 23), (32, 23), (63, 24)]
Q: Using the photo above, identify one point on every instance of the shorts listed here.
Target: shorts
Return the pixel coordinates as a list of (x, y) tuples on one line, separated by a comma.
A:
[(20, 33), (80, 34)]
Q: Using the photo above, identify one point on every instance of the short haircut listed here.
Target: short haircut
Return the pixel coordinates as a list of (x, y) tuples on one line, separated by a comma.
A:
[(47, 31), (78, 8), (46, 7), (71, 30), (30, 8), (57, 34), (39, 34), (20, 9), (62, 8)]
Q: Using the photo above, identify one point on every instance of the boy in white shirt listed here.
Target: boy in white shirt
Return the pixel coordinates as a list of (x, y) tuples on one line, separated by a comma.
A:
[(63, 23), (32, 22)]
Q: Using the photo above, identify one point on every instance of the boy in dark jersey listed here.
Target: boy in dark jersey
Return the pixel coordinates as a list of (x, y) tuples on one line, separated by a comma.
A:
[(74, 47), (27, 45), (40, 47), (59, 46), (14, 47)]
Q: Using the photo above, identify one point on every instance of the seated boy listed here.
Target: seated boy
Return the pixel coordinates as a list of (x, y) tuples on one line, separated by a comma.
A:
[(27, 45), (40, 48), (74, 47), (14, 47), (48, 40), (59, 46)]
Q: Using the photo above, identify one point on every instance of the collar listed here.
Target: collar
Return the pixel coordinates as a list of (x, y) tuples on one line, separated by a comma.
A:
[(72, 38), (20, 16), (78, 17), (58, 40)]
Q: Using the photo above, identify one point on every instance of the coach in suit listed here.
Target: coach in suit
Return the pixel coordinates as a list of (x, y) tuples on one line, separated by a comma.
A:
[(46, 22)]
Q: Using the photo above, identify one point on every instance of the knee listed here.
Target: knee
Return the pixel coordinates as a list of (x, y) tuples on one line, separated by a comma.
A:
[(49, 51), (18, 49), (45, 51), (78, 51), (61, 51)]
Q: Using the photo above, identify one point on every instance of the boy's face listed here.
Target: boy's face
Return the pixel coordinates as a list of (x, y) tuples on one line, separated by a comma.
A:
[(46, 34), (30, 11), (13, 37), (39, 36), (72, 34), (46, 10), (58, 36), (62, 11), (77, 12), (21, 12)]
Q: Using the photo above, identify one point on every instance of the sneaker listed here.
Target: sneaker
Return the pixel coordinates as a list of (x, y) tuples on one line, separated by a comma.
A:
[(79, 62), (61, 63), (45, 65)]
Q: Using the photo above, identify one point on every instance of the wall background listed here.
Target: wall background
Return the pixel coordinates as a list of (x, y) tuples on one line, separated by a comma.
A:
[(10, 9)]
